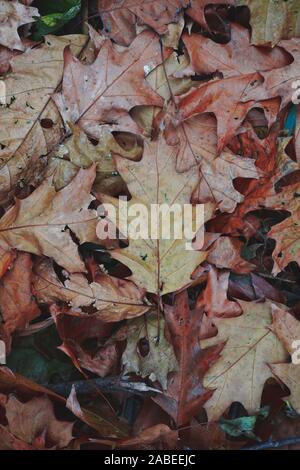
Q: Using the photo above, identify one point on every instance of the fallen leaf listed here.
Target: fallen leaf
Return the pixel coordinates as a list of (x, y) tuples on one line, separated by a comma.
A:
[(21, 424), (106, 90), (226, 253), (104, 421), (115, 299), (12, 16), (38, 223), (119, 18), (163, 265), (287, 328), (236, 58), (214, 299), (271, 20), (186, 394), (17, 304), (242, 370), (23, 139), (158, 359)]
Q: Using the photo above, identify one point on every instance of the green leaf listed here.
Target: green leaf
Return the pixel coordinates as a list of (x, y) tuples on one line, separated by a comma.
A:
[(51, 22), (243, 426)]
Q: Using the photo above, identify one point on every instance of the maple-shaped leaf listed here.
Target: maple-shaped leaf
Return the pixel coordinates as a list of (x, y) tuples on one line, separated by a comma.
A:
[(280, 82), (115, 299), (237, 57), (44, 430), (13, 15), (38, 224), (287, 328), (186, 394), (158, 359), (159, 265), (17, 304), (119, 17), (33, 125), (106, 90), (271, 20), (197, 8), (242, 370)]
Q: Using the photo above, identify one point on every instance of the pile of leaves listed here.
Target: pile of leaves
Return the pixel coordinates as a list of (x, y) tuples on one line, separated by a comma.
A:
[(143, 344)]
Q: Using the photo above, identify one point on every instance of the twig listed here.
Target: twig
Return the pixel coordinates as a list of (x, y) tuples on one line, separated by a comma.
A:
[(275, 444), (109, 384)]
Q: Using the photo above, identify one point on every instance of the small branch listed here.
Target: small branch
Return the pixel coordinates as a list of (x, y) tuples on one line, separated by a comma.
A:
[(108, 384), (275, 444)]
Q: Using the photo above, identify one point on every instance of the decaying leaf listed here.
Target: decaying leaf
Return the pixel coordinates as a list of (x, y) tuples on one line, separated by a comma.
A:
[(243, 368), (38, 223), (271, 20), (287, 328), (13, 15), (25, 138), (155, 358), (17, 304), (185, 393), (119, 18), (163, 265), (35, 420)]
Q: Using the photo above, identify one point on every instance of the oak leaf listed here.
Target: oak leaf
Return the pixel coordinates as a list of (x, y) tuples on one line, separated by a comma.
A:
[(238, 57), (24, 138), (158, 359), (158, 265), (105, 91), (186, 394), (119, 18), (271, 20), (38, 223), (45, 426), (17, 304), (13, 15), (287, 328), (242, 370), (115, 299)]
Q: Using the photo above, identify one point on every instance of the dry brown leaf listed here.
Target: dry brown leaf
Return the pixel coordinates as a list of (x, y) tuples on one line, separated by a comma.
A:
[(38, 223), (115, 299), (24, 138), (214, 299), (162, 265), (226, 253), (272, 20), (35, 419), (12, 16), (185, 393), (238, 57), (17, 304), (119, 18), (287, 328), (243, 369), (105, 91)]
